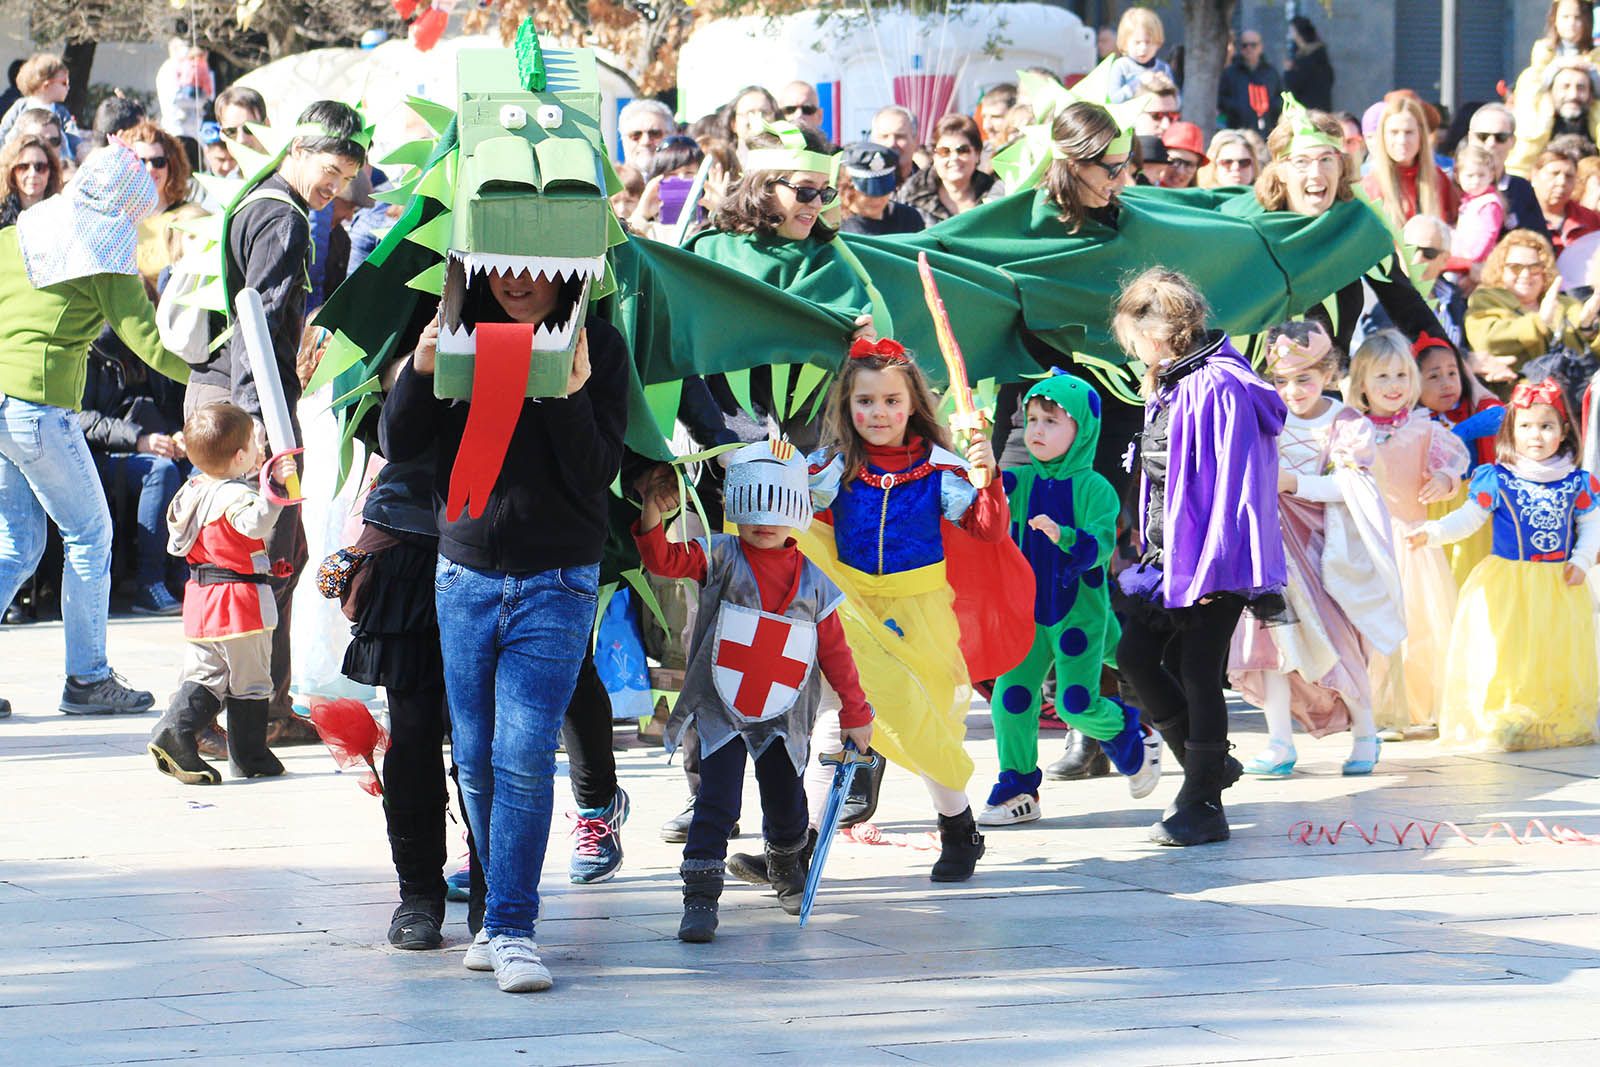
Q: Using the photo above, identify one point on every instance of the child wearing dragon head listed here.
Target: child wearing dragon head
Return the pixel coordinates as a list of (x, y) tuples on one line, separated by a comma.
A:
[(1064, 518)]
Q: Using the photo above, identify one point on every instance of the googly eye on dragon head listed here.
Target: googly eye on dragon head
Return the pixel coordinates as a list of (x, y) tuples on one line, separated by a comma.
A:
[(549, 116), (513, 116)]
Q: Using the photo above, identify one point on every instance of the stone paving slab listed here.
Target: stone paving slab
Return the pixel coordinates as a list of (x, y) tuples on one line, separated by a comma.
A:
[(147, 922)]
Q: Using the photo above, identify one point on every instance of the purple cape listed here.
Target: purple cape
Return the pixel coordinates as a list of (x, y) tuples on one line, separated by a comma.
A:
[(1221, 530)]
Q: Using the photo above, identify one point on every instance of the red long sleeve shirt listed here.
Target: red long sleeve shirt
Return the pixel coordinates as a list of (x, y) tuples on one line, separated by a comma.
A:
[(989, 517), (776, 571)]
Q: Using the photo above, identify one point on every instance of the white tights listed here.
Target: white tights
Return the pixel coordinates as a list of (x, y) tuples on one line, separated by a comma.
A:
[(1280, 724), (826, 737)]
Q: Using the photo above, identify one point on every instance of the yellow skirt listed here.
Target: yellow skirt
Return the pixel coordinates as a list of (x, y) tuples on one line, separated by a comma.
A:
[(1521, 671), (1467, 554), (908, 653)]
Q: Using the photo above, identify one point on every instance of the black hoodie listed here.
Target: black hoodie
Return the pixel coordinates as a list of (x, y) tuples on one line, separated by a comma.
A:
[(548, 507)]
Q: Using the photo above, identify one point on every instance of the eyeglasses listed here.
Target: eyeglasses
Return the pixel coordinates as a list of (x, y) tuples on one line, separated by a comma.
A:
[(805, 194), (944, 151), (803, 109), (1235, 164), (640, 135), (1486, 137), (1430, 254), (1111, 169), (234, 132), (1181, 164), (154, 162), (1308, 164), (1170, 116), (37, 168), (1524, 268)]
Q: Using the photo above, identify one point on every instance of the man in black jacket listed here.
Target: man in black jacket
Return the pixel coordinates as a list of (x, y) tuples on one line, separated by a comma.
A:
[(1250, 70), (269, 250)]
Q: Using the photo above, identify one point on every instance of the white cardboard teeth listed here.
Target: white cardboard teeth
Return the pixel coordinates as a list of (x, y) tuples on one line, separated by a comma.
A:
[(562, 267)]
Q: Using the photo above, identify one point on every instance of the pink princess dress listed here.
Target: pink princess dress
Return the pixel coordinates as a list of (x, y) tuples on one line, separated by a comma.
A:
[(1343, 592), (1406, 686)]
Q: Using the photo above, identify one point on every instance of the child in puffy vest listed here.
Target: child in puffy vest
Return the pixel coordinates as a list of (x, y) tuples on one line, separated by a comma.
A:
[(218, 522)]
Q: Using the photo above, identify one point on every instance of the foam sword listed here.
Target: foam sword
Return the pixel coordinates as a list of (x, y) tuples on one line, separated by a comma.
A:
[(251, 318), (967, 420)]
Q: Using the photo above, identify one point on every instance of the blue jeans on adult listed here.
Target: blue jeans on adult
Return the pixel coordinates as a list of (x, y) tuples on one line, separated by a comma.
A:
[(46, 468), (158, 479), (512, 645)]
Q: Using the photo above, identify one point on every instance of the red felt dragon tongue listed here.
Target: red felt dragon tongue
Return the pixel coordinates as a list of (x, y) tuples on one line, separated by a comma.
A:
[(499, 381)]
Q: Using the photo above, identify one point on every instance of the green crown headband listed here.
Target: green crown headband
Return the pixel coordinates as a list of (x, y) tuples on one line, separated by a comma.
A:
[(794, 155), (1307, 137), (362, 137), (1022, 164)]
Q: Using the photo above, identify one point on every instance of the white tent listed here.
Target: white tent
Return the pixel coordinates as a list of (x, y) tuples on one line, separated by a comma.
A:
[(860, 60)]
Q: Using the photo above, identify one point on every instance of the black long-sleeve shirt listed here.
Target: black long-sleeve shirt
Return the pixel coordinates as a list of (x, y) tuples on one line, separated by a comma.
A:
[(548, 506), (269, 250)]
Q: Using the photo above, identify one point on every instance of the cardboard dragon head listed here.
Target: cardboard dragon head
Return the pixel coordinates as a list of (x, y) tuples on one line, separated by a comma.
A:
[(530, 196)]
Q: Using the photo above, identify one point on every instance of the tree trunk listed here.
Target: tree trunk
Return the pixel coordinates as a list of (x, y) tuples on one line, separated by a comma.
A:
[(1206, 24), (79, 58)]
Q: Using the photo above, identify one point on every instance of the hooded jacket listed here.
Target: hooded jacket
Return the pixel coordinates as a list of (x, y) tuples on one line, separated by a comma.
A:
[(223, 523), (1069, 492)]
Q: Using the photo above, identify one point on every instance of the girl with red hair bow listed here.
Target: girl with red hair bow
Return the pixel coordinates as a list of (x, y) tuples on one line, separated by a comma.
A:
[(1521, 671)]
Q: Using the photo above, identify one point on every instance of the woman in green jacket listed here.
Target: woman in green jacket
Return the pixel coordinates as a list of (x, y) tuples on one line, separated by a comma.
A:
[(66, 270)]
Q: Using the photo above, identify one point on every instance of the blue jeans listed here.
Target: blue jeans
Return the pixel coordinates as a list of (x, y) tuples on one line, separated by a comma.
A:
[(512, 645), (158, 478), (46, 468)]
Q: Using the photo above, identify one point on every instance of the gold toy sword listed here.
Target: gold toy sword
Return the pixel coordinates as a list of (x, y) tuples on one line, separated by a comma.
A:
[(967, 420)]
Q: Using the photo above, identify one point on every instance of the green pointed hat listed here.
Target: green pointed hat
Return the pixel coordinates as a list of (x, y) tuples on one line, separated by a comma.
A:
[(1022, 164), (1307, 136)]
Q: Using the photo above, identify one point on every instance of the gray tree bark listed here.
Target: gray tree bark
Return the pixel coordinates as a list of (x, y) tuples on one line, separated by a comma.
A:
[(1206, 24)]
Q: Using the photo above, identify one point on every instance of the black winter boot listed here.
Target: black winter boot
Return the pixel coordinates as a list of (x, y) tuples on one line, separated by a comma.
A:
[(702, 887), (417, 920), (172, 741), (1083, 759), (248, 754), (753, 869), (786, 867), (1196, 817), (960, 848), (862, 801)]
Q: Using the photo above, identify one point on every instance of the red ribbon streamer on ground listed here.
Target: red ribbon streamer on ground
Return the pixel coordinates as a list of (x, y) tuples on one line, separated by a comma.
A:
[(499, 380), (1308, 833)]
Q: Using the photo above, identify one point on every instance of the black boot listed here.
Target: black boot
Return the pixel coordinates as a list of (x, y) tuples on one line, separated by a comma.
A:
[(417, 920), (248, 754), (862, 802), (1175, 732), (753, 869), (702, 887), (1082, 760), (786, 867), (172, 741), (416, 843), (960, 848), (1196, 817)]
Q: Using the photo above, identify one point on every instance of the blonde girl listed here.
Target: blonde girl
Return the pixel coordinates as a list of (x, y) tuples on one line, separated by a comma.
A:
[(1419, 463)]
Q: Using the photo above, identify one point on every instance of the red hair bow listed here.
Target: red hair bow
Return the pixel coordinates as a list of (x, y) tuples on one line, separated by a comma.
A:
[(1527, 394), (1426, 341), (884, 348)]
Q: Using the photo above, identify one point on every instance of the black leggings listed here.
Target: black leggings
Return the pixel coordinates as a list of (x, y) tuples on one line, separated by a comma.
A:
[(716, 809), (414, 795), (1195, 641), (586, 735)]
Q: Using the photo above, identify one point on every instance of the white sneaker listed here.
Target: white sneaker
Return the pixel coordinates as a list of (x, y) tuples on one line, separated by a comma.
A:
[(1143, 782), (1024, 808), (479, 957), (517, 967)]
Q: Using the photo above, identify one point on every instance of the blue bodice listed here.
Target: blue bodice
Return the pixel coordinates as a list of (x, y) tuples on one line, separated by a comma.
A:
[(1533, 521), (889, 531)]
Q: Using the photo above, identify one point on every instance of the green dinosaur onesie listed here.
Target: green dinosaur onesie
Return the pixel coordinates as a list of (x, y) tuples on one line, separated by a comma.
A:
[(1074, 628)]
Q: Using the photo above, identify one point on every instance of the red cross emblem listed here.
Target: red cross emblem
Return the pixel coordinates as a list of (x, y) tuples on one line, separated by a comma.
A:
[(761, 661)]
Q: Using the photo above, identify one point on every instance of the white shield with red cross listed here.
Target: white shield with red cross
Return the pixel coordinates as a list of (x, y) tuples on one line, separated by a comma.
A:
[(760, 661)]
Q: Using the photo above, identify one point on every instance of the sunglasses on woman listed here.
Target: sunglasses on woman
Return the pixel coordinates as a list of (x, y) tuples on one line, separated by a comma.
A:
[(805, 194), (1112, 169), (154, 162), (945, 151), (801, 109), (37, 168)]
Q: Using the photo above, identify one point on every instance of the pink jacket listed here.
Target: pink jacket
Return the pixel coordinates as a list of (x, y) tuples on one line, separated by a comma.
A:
[(1478, 226)]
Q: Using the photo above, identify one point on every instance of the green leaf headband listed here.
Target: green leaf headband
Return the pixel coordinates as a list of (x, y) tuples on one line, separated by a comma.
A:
[(1022, 164), (794, 155), (1306, 135)]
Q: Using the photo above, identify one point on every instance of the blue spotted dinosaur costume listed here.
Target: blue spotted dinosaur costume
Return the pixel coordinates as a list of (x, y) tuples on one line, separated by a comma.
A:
[(1074, 628)]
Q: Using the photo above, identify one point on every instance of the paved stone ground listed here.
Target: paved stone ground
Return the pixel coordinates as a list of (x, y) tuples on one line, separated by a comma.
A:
[(147, 921)]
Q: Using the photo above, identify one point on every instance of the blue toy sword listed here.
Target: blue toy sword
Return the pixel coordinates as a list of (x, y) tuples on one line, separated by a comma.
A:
[(844, 763)]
